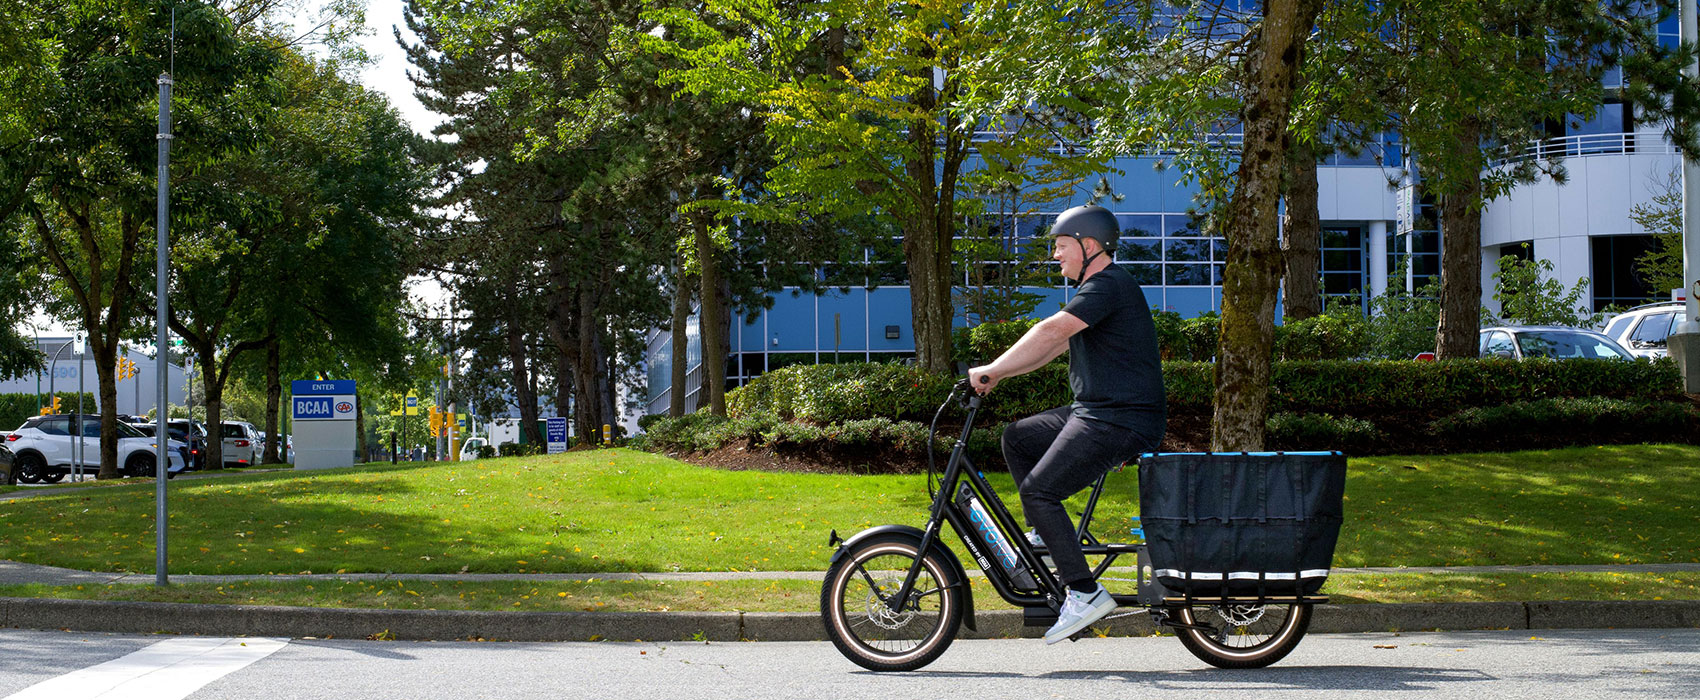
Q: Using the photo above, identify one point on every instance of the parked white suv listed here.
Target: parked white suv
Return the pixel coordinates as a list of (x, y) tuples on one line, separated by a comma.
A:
[(1644, 329), (242, 444), (45, 449)]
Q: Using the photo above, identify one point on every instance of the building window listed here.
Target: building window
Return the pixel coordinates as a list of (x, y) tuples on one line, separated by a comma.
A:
[(1343, 265), (1615, 279)]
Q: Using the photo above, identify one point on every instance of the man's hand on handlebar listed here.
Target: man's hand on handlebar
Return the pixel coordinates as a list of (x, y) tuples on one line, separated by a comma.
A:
[(981, 380)]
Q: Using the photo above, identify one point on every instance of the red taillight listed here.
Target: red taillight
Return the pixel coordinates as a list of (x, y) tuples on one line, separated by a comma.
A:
[(241, 443), (13, 438)]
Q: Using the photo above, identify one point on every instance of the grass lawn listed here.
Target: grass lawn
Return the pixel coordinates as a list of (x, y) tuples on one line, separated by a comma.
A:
[(620, 510), (792, 595)]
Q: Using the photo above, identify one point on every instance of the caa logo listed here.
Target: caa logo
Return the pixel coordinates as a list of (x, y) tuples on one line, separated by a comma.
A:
[(344, 407)]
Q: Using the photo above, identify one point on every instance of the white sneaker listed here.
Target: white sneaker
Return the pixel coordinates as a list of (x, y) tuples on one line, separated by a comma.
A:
[(1078, 611)]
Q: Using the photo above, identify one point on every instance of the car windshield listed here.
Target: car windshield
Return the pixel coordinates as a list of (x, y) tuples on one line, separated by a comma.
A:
[(1563, 345)]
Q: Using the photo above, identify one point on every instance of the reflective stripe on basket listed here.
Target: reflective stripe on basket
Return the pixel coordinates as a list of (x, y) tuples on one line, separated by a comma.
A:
[(1242, 575)]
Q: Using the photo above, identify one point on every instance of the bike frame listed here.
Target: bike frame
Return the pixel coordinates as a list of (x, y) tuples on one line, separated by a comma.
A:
[(1050, 590)]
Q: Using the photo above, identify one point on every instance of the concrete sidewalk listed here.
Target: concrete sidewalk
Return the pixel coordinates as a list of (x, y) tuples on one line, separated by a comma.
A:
[(250, 620)]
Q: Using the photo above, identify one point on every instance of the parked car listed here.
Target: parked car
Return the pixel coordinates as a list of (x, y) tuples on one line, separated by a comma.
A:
[(1645, 329), (241, 443), (197, 434), (469, 449), (8, 475), (46, 448), (1555, 342)]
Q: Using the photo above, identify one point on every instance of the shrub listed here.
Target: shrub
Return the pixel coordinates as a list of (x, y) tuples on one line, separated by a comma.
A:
[(1203, 334), (1321, 431), (985, 342), (514, 449), (1333, 336), (485, 451), (1576, 416), (831, 394)]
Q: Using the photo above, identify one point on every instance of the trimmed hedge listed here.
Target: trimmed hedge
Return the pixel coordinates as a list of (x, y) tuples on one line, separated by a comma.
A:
[(1586, 415), (838, 393), (17, 408)]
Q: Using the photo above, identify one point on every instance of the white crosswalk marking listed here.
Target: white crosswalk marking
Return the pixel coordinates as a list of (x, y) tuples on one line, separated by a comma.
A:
[(169, 670)]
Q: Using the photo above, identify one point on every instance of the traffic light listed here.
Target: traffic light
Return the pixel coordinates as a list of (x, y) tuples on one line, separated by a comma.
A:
[(126, 368), (436, 421), (55, 407)]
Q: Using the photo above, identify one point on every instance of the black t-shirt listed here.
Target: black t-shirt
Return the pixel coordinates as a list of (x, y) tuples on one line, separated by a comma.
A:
[(1113, 365)]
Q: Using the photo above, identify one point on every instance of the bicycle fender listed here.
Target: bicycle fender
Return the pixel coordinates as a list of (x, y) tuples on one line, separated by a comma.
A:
[(939, 547)]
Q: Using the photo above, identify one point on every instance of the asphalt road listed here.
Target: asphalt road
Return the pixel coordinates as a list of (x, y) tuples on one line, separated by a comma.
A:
[(1477, 665)]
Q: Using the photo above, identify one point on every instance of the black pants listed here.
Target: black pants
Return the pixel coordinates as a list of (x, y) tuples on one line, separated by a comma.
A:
[(1054, 455)]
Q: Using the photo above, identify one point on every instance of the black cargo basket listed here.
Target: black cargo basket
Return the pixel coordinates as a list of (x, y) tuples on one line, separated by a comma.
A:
[(1221, 524)]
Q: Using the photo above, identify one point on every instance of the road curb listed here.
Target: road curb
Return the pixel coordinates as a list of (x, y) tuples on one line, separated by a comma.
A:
[(344, 623)]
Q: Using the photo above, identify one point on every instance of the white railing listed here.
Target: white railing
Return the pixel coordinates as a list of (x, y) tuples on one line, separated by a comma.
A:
[(1587, 145)]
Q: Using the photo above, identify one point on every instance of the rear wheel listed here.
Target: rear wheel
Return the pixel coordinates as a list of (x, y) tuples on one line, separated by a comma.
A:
[(53, 477), (1241, 636), (866, 629), (30, 468)]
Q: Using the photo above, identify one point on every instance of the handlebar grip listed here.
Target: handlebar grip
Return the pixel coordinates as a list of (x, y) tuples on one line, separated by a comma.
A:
[(985, 379)]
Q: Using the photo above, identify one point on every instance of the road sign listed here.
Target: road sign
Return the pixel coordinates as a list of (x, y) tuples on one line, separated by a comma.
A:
[(557, 435), (412, 405)]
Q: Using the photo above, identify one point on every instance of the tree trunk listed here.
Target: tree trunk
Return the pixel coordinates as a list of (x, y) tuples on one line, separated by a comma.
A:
[(1302, 236), (928, 234), (525, 390), (712, 321), (605, 369), (105, 368), (359, 429), (1461, 261), (1253, 275), (213, 390), (274, 396), (587, 406), (681, 340)]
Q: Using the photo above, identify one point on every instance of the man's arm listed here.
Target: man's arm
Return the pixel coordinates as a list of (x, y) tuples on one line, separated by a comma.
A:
[(1043, 342)]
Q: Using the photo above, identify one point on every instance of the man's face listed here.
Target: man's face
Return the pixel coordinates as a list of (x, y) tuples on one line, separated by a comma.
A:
[(1069, 252)]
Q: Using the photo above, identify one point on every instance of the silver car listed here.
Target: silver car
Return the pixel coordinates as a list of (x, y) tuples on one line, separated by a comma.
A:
[(1555, 342)]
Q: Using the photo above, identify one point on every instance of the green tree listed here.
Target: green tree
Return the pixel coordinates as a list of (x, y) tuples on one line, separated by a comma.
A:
[(88, 186), (1528, 295), (883, 124), (1661, 266)]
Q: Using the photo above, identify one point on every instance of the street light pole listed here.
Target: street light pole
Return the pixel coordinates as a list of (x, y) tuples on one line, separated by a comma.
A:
[(162, 256), (1684, 342)]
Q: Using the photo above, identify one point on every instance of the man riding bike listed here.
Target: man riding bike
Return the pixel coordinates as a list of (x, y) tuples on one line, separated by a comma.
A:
[(1118, 410)]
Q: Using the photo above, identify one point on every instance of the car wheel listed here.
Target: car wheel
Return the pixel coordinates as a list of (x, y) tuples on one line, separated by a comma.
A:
[(141, 465), (29, 468), (52, 477)]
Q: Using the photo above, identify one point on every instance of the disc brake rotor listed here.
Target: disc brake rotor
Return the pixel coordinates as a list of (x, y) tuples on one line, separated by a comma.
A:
[(881, 614)]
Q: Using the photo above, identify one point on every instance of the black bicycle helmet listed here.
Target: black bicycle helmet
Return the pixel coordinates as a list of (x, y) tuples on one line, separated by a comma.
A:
[(1088, 221)]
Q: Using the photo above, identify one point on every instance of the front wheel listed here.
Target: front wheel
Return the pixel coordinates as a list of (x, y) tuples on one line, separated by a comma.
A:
[(142, 465), (1241, 636), (868, 631)]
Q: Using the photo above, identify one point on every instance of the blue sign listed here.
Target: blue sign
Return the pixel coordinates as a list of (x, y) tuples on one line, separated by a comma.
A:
[(329, 407), (314, 407), (557, 429), (309, 387), (412, 402)]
